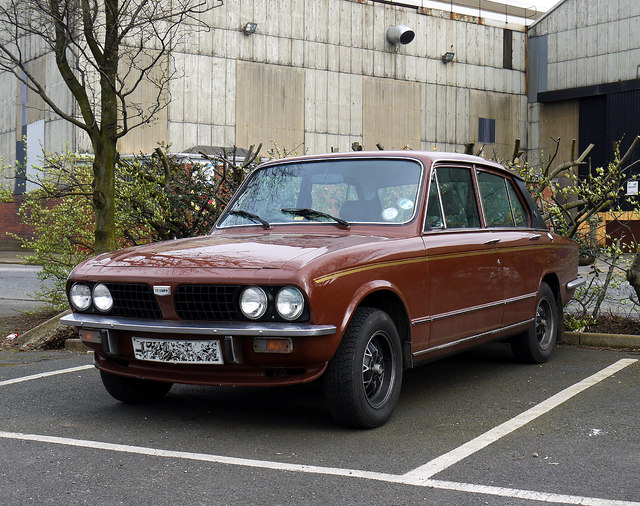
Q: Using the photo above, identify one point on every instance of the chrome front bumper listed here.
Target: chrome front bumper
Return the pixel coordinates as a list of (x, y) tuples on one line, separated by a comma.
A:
[(572, 285), (266, 329)]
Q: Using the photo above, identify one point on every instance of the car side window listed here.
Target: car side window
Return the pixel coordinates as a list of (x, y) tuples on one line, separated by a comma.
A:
[(519, 214), (495, 200), (458, 199)]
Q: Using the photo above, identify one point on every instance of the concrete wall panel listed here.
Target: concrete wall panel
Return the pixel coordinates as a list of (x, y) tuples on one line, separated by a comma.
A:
[(320, 101), (9, 107), (144, 99), (558, 120), (614, 10), (7, 157), (333, 102), (356, 84), (462, 113), (429, 111), (391, 113), (269, 105)]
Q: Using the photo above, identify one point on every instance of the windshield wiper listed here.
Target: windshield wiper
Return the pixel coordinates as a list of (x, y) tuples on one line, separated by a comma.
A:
[(312, 214), (253, 217)]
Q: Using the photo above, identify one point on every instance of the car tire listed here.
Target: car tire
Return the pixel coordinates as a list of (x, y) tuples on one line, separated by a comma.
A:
[(363, 379), (536, 345), (134, 390)]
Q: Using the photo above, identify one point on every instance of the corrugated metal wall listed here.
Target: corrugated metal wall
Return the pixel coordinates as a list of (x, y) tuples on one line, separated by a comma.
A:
[(623, 119), (537, 67), (593, 130), (605, 119)]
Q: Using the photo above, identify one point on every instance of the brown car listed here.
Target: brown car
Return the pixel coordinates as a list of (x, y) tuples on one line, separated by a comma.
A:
[(349, 266)]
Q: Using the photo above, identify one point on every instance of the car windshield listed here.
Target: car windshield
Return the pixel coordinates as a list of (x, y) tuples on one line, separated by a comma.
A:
[(338, 192)]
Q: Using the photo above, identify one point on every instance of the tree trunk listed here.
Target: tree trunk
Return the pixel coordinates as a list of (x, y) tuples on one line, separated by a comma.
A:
[(633, 274), (105, 139), (104, 194)]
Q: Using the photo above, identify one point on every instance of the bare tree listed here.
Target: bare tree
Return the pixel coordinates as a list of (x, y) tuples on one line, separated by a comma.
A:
[(105, 51)]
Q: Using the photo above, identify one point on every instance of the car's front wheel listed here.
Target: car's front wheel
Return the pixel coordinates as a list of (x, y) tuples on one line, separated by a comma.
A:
[(134, 390), (536, 345), (363, 379)]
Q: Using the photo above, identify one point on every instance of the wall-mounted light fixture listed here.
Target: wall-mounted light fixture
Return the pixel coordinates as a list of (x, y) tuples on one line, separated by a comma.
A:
[(249, 28), (448, 56), (400, 34)]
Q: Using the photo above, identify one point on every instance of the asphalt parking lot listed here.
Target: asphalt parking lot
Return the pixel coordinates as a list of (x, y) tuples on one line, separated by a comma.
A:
[(476, 428)]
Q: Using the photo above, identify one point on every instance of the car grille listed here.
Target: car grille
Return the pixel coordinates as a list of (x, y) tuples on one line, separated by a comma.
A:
[(206, 302), (135, 300)]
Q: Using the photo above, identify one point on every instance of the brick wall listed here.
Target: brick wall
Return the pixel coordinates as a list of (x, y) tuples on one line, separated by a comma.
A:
[(9, 222)]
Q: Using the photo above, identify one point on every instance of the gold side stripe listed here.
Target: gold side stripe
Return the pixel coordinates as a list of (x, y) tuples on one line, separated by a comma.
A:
[(362, 268), (489, 251), (407, 261)]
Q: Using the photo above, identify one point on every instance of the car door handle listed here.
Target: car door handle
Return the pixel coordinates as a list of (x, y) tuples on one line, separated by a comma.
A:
[(535, 237), (492, 241)]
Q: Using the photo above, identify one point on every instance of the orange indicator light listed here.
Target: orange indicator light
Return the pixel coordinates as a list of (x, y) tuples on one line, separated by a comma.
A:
[(91, 336), (272, 345)]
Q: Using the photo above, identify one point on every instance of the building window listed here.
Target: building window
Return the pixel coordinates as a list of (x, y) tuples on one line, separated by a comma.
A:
[(486, 130), (507, 50)]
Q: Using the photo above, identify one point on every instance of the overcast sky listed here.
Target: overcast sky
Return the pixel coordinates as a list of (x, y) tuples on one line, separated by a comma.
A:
[(542, 5)]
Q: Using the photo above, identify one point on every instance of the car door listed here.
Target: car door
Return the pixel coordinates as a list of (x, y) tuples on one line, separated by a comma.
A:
[(465, 285), (518, 245)]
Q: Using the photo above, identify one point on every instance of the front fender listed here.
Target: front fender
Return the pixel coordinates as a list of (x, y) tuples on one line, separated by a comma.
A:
[(362, 293)]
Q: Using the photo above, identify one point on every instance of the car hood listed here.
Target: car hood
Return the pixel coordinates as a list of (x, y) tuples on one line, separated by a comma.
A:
[(225, 251)]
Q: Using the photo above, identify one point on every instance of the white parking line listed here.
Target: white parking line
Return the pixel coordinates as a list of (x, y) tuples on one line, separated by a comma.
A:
[(420, 477), (327, 471), (454, 456), (44, 375)]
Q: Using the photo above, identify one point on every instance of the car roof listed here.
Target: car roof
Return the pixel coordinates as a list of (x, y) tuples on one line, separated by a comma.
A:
[(427, 157)]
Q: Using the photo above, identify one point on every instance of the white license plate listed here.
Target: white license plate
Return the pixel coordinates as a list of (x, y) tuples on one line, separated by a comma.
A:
[(177, 352)]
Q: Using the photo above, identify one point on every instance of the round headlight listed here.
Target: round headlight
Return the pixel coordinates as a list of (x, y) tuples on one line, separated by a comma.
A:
[(253, 302), (102, 298), (80, 296), (289, 303)]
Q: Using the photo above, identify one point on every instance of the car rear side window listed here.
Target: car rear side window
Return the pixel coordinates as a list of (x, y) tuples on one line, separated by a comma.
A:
[(495, 200), (457, 198), (519, 214), (501, 204)]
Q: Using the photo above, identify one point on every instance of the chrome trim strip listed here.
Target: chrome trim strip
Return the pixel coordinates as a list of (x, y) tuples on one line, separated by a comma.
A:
[(478, 197), (201, 328), (441, 316), (572, 285), (471, 338), (521, 298)]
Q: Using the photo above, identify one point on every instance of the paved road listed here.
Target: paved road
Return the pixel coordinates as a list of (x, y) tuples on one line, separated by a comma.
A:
[(620, 295), (18, 284), (459, 436)]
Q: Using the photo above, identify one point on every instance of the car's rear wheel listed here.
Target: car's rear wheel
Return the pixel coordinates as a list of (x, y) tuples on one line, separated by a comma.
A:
[(134, 390), (363, 379), (536, 345)]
